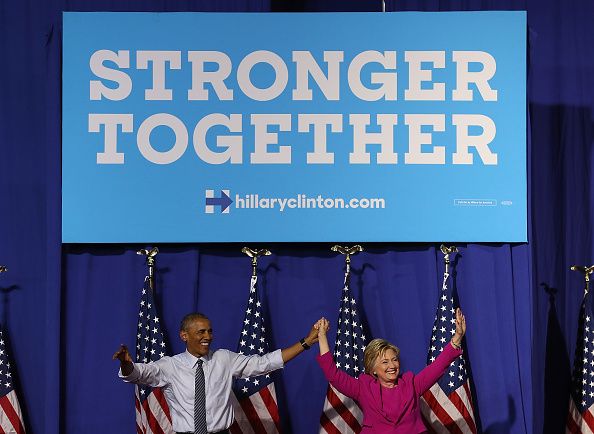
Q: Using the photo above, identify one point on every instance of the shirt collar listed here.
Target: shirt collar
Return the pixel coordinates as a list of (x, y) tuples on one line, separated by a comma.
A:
[(192, 359)]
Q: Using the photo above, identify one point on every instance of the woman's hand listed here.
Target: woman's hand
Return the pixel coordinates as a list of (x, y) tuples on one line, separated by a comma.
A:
[(460, 328), (322, 326)]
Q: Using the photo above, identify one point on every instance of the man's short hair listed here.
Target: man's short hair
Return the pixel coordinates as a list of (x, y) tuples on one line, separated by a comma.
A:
[(190, 318)]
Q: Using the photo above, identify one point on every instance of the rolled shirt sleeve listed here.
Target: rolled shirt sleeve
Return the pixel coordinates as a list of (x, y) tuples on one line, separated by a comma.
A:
[(150, 374), (249, 366)]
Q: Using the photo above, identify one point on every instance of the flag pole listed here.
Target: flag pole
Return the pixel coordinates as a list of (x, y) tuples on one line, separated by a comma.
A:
[(347, 251), (349, 346), (152, 411), (453, 391), (255, 254), (586, 271), (446, 255), (150, 261), (254, 397)]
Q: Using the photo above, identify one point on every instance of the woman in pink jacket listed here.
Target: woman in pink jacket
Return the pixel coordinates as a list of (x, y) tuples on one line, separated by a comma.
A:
[(388, 398)]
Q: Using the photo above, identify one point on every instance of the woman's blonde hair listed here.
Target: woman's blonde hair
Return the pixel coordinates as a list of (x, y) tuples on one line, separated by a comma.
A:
[(375, 349)]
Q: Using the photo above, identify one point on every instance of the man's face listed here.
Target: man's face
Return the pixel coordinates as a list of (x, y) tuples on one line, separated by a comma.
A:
[(197, 336)]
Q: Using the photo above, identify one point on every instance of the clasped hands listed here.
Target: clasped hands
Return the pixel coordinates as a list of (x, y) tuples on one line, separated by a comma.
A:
[(321, 326)]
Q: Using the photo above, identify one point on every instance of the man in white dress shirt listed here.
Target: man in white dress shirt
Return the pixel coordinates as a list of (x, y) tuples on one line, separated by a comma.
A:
[(176, 375)]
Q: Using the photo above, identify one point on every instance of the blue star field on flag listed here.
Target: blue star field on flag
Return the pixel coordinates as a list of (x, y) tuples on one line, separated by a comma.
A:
[(350, 338), (150, 344)]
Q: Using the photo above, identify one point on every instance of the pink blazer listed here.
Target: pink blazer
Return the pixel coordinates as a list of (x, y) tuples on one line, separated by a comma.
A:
[(394, 410)]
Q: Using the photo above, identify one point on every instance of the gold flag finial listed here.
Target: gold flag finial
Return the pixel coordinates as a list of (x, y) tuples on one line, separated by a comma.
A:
[(150, 254), (447, 251), (255, 254), (3, 268), (347, 251), (586, 271), (150, 261)]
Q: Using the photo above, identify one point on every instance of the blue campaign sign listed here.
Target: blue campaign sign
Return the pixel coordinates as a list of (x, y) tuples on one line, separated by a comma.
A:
[(224, 127)]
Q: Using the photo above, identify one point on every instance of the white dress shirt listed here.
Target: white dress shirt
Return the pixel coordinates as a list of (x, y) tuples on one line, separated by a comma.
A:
[(175, 375)]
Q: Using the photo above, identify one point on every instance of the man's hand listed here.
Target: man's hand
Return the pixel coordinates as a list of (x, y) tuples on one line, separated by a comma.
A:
[(126, 363), (312, 337), (122, 354)]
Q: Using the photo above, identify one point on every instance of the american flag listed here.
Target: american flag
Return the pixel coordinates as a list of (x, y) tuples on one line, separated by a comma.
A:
[(11, 419), (580, 418), (342, 415), (152, 412), (255, 406), (447, 406)]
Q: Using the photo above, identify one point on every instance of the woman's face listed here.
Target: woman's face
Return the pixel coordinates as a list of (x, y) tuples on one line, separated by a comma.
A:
[(387, 367)]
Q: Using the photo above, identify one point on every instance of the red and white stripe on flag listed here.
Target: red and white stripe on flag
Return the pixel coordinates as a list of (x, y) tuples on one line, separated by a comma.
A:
[(341, 415), (152, 414), (256, 414), (11, 419), (579, 423), (448, 414)]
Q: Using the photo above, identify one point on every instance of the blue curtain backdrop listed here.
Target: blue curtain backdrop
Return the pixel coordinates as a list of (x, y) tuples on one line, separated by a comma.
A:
[(67, 308)]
